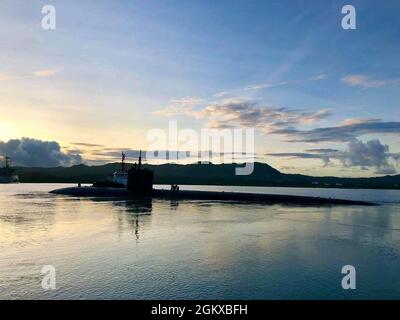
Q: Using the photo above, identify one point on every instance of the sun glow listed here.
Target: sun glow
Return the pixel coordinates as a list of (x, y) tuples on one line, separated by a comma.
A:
[(7, 131)]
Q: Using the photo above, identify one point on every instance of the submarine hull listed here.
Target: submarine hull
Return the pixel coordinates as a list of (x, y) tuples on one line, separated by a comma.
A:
[(206, 195)]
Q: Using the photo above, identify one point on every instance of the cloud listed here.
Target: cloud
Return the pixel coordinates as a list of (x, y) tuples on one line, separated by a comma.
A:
[(238, 113), (37, 153), (115, 153), (221, 94), (242, 112), (45, 73), (319, 77), (386, 171), (229, 113), (175, 110), (326, 150), (370, 154), (182, 106), (267, 85), (189, 101), (84, 144), (302, 155), (5, 76), (342, 133), (134, 154), (39, 74), (264, 86), (244, 90), (359, 80)]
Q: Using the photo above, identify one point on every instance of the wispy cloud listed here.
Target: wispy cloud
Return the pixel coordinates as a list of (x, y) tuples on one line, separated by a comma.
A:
[(322, 150), (359, 80), (319, 77), (36, 74), (45, 73), (189, 101), (221, 94), (264, 86), (182, 106), (267, 85), (340, 133), (177, 110), (4, 76), (84, 144), (254, 87)]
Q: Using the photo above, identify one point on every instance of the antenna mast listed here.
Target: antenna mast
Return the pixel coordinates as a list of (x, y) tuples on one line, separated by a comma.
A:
[(123, 162), (7, 159)]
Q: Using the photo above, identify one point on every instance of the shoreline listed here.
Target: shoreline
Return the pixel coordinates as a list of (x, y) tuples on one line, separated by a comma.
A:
[(219, 185)]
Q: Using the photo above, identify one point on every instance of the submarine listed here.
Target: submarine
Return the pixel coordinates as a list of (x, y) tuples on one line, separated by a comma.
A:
[(140, 180)]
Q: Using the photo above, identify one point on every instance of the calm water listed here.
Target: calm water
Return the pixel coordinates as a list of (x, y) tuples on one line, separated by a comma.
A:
[(197, 249)]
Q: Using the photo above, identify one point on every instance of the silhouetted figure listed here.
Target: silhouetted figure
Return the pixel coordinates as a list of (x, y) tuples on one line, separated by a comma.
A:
[(174, 187)]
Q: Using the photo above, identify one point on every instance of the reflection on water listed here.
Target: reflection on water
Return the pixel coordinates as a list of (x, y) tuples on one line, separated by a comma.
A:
[(104, 248), (174, 204), (136, 213)]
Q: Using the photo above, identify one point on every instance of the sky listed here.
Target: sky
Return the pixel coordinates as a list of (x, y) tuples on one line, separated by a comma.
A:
[(323, 100)]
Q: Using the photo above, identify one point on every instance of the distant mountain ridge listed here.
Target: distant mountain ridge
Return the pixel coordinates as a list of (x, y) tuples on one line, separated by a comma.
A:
[(211, 174)]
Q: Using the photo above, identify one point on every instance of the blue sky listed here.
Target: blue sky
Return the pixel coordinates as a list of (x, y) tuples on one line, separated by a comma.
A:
[(109, 71)]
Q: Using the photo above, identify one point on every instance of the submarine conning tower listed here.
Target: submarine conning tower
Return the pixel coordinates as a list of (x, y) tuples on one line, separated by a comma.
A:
[(140, 180)]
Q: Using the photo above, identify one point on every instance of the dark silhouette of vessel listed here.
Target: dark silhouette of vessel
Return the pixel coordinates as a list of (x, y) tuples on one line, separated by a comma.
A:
[(140, 180), (136, 180), (140, 185), (7, 173)]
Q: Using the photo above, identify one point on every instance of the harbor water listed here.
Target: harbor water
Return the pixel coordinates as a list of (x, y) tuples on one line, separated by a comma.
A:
[(105, 249)]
